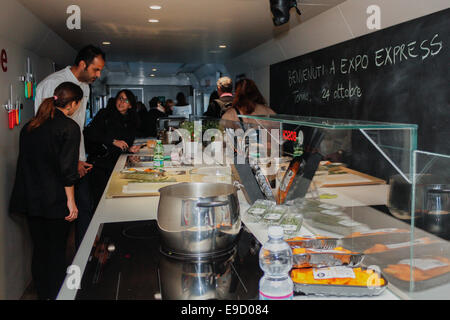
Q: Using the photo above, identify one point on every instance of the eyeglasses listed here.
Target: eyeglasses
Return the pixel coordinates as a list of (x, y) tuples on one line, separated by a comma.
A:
[(124, 100)]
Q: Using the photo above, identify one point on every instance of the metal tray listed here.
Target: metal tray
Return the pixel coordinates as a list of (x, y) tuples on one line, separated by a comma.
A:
[(340, 290), (363, 243), (386, 258), (328, 243), (316, 260)]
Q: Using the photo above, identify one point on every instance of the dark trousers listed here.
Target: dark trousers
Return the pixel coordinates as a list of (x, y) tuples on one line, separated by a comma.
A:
[(99, 177), (48, 266), (83, 200)]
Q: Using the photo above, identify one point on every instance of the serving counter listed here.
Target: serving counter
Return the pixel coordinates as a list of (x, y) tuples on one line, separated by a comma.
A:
[(413, 262), (123, 209)]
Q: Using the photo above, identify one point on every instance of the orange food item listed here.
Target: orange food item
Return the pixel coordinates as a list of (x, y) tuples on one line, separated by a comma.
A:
[(376, 248), (381, 247), (151, 143), (363, 234), (306, 250), (403, 271), (295, 166), (363, 278), (343, 254), (306, 238)]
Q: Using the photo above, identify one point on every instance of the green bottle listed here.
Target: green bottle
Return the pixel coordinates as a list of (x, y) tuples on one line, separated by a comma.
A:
[(158, 155)]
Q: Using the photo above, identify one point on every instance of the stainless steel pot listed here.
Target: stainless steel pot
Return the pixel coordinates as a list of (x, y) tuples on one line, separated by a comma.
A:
[(198, 279), (198, 218)]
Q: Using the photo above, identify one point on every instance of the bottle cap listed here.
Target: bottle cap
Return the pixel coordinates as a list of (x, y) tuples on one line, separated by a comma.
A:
[(276, 232)]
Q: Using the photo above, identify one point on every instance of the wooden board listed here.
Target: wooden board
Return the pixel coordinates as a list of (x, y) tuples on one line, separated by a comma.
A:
[(349, 178), (116, 186)]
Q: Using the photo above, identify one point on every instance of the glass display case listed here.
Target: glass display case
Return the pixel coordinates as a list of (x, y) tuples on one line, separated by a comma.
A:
[(335, 184), (367, 187)]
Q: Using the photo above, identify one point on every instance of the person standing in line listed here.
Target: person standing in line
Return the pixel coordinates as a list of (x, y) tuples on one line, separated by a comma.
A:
[(217, 107), (87, 67), (44, 185)]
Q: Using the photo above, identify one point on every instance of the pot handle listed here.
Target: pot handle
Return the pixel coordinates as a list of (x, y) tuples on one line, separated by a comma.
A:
[(212, 204)]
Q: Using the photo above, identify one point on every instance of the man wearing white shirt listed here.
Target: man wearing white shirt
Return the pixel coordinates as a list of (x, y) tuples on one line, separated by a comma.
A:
[(87, 68)]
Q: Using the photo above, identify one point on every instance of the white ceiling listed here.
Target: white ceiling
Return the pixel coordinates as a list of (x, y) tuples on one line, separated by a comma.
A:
[(188, 35), (188, 31)]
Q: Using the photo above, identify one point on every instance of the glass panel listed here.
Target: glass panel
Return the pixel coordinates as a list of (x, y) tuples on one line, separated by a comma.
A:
[(360, 183), (329, 122), (430, 264), (360, 192)]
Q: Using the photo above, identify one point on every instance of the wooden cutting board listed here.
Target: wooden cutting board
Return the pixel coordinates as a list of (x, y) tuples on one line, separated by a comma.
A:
[(348, 178), (119, 187)]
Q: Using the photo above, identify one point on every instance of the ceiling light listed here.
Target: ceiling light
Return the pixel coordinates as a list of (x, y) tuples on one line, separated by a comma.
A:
[(106, 43), (153, 20), (152, 75), (154, 69), (155, 7), (280, 10), (222, 46)]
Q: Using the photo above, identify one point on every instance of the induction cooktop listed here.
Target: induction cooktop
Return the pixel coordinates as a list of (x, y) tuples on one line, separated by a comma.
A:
[(127, 262)]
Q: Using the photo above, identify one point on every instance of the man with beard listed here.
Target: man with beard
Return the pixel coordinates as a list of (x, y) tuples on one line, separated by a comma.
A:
[(88, 65)]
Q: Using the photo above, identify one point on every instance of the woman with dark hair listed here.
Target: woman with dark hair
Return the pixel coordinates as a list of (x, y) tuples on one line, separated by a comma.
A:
[(182, 107), (169, 106), (111, 132), (181, 99), (156, 111), (248, 100), (47, 169)]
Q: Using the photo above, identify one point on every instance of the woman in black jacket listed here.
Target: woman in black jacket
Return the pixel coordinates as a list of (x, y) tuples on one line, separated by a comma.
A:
[(151, 121), (111, 132), (44, 185)]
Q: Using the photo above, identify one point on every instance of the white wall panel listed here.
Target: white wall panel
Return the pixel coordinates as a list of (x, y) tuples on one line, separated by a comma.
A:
[(22, 35)]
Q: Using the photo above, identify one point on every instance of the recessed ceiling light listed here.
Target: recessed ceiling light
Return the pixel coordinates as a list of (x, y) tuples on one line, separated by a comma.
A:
[(154, 69), (106, 43), (153, 20), (222, 46), (152, 75), (155, 7)]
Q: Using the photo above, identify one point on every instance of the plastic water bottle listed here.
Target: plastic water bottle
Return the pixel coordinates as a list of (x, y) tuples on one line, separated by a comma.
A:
[(158, 155), (275, 259)]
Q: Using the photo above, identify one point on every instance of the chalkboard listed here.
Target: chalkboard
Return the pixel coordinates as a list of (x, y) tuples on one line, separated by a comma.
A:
[(398, 74)]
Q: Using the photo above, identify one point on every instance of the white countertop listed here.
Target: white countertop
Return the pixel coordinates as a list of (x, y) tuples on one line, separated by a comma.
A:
[(145, 208)]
